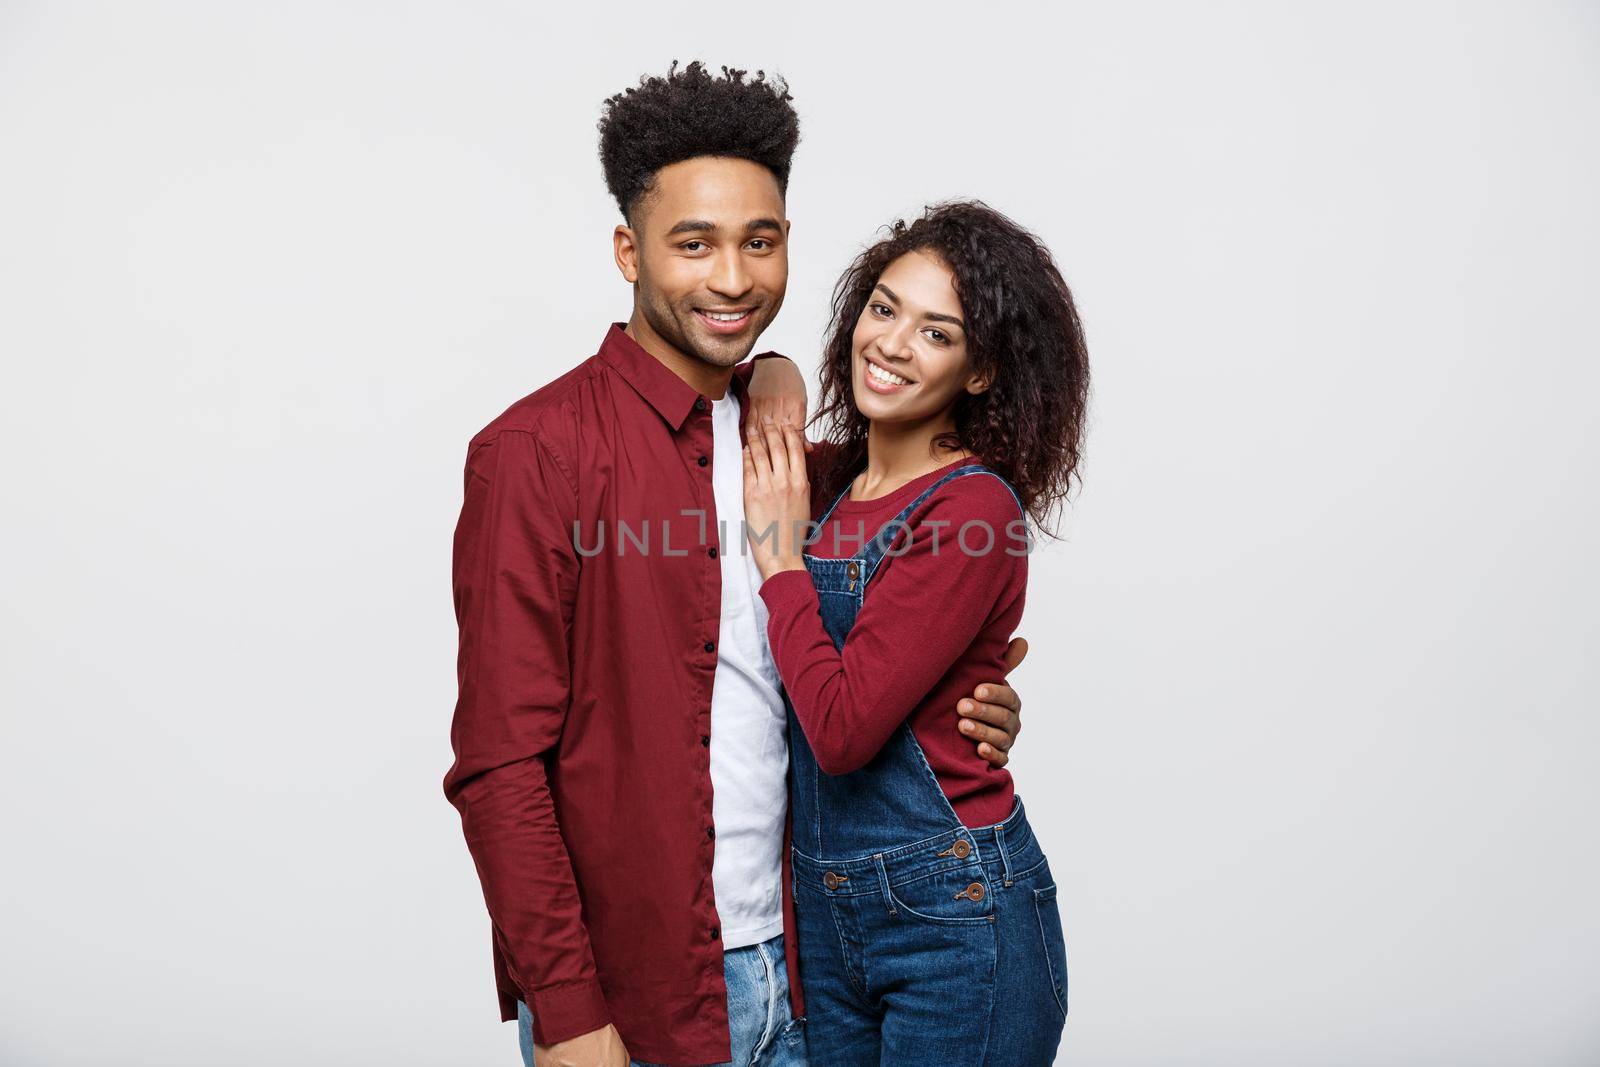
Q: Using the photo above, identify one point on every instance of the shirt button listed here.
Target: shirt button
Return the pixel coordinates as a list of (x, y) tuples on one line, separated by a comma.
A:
[(711, 832), (702, 461), (716, 932), (712, 552), (700, 403), (705, 741), (710, 647)]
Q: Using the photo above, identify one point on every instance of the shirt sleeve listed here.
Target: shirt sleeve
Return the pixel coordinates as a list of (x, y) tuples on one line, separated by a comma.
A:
[(929, 599), (514, 574)]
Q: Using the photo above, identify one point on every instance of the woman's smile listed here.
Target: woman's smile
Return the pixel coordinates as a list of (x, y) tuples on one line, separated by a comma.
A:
[(880, 379)]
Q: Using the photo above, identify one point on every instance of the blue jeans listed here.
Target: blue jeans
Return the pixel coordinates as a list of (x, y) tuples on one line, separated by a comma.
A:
[(761, 1029), (902, 966)]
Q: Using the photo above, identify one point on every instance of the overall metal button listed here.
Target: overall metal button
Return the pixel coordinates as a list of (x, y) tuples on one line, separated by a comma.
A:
[(832, 880), (961, 849), (972, 892), (853, 569)]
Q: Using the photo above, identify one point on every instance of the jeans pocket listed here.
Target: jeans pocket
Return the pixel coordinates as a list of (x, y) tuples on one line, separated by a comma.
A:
[(1053, 938), (957, 896)]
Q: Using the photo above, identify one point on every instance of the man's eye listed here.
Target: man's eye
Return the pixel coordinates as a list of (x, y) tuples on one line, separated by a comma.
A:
[(693, 246), (763, 242)]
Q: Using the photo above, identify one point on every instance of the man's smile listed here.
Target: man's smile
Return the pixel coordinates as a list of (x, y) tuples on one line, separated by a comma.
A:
[(730, 321)]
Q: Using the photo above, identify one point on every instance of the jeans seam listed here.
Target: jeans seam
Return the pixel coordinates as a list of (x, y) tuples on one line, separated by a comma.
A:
[(770, 1031)]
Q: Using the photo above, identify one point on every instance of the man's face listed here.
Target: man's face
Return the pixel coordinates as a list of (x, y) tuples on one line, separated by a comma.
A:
[(709, 256)]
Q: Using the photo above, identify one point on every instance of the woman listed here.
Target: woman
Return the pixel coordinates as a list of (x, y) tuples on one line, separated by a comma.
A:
[(955, 378)]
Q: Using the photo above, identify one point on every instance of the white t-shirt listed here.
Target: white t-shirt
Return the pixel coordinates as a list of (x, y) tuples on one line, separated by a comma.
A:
[(749, 740)]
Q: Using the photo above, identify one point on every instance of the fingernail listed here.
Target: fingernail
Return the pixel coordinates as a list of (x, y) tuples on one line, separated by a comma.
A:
[(966, 705), (983, 692), (966, 724)]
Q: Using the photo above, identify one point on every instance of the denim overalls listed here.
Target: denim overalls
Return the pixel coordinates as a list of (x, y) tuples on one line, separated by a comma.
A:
[(921, 941)]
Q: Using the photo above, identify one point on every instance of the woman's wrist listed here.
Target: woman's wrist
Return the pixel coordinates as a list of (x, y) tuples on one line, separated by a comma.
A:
[(779, 564)]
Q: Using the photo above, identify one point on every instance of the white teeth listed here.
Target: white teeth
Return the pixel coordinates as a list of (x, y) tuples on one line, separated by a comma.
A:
[(885, 377), (725, 316)]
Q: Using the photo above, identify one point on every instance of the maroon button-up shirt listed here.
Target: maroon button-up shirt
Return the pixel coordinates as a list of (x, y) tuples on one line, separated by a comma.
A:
[(582, 768)]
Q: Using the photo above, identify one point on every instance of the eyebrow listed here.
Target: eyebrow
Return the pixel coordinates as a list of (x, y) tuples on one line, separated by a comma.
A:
[(934, 315), (702, 226)]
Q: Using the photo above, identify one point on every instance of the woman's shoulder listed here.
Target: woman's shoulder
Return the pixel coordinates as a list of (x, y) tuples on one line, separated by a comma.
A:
[(977, 511), (976, 492)]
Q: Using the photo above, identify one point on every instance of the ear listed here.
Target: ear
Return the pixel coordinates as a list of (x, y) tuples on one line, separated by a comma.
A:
[(978, 384), (625, 247)]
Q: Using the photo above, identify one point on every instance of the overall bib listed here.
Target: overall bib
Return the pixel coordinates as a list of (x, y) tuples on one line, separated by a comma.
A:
[(921, 941)]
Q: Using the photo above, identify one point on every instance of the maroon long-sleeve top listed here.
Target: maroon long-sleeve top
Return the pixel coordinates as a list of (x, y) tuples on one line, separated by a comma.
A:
[(934, 624), (582, 725)]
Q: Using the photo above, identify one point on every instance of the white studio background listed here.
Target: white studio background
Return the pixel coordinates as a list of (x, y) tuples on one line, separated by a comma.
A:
[(1311, 709)]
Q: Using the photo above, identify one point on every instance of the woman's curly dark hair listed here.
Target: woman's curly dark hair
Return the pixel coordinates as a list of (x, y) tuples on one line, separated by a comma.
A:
[(1023, 335), (690, 113)]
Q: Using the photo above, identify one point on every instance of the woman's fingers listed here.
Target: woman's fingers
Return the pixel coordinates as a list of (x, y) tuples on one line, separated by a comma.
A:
[(778, 452), (757, 444), (794, 443)]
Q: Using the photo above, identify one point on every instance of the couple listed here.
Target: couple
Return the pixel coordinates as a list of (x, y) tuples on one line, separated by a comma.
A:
[(726, 807)]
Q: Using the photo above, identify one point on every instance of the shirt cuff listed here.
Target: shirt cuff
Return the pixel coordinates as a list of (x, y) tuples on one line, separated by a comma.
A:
[(567, 1010), (788, 591)]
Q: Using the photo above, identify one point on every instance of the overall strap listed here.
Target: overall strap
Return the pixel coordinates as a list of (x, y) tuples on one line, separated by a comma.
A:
[(879, 546), (842, 493)]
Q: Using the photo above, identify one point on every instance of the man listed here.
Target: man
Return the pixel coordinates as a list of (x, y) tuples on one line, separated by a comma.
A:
[(619, 738)]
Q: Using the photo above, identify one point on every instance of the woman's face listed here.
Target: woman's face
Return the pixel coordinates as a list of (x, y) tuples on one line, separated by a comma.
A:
[(909, 349)]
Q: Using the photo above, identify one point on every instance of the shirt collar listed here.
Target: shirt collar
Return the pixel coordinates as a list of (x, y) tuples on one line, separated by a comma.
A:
[(671, 396)]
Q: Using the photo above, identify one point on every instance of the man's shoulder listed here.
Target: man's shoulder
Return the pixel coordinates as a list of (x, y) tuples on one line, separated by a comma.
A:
[(549, 412)]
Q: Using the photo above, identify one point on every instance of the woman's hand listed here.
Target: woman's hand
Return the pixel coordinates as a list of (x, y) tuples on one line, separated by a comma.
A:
[(777, 496), (776, 388)]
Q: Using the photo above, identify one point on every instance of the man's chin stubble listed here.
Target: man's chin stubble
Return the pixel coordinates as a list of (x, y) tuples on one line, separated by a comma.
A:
[(718, 353)]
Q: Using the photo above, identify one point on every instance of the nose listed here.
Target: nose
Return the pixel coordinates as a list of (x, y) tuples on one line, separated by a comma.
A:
[(729, 277), (894, 343)]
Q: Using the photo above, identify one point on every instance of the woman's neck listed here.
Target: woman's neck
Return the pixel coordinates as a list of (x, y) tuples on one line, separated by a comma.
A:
[(898, 453)]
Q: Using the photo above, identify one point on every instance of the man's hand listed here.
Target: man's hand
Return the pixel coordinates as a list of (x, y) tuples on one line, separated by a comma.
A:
[(597, 1048), (992, 717), (777, 388)]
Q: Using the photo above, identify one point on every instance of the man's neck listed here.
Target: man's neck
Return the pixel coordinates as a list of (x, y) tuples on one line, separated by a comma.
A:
[(704, 378)]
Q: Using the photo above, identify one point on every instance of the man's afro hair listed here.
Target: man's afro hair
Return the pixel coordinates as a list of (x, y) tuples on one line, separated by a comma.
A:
[(690, 113)]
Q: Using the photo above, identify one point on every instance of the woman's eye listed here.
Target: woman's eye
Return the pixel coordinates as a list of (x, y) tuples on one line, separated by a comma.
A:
[(938, 336), (877, 308)]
